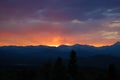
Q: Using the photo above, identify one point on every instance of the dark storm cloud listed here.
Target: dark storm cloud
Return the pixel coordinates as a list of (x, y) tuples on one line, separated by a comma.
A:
[(60, 9)]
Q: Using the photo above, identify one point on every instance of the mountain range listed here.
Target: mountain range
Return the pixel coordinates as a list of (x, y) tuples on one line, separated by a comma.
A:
[(87, 55)]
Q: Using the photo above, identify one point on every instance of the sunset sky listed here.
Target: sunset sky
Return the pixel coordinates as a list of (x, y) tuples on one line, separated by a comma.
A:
[(57, 22)]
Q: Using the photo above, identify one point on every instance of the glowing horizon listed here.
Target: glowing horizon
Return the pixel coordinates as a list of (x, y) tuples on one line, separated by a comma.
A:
[(70, 22), (56, 44)]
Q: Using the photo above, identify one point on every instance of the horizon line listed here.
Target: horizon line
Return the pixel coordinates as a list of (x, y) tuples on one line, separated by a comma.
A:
[(58, 45)]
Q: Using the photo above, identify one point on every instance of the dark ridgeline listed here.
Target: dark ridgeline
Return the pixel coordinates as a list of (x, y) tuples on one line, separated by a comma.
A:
[(58, 71)]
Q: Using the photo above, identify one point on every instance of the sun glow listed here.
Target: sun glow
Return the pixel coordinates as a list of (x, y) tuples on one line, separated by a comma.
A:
[(54, 40), (53, 45)]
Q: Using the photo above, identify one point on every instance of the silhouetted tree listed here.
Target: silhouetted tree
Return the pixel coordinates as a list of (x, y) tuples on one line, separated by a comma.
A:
[(59, 70), (100, 77), (72, 66), (47, 70), (0, 76), (112, 72), (27, 74)]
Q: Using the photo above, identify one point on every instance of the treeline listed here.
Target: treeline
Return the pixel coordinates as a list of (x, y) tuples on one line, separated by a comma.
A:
[(59, 71)]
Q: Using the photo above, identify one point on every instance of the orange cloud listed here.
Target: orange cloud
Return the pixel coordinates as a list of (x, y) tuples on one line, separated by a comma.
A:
[(35, 39), (55, 35)]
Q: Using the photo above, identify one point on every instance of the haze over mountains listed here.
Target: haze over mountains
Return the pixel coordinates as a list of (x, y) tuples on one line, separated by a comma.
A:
[(37, 54)]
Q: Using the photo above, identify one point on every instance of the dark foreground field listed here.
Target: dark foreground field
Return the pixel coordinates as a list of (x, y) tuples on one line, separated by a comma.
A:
[(58, 70)]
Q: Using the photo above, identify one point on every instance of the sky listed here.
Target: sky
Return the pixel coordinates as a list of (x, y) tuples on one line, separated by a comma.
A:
[(58, 22)]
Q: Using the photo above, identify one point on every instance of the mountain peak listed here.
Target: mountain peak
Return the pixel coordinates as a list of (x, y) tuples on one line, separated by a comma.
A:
[(82, 45), (117, 44), (63, 46)]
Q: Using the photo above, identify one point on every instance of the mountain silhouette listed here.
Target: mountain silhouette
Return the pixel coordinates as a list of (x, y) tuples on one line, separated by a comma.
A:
[(37, 54), (116, 44)]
